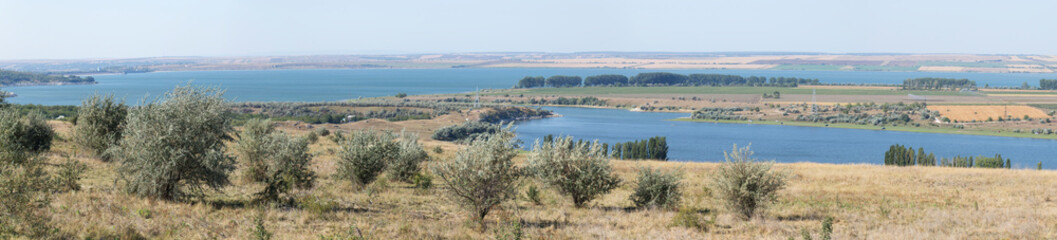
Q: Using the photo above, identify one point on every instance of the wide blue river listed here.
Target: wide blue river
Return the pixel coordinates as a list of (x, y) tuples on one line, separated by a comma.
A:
[(698, 141), (334, 85), (688, 141)]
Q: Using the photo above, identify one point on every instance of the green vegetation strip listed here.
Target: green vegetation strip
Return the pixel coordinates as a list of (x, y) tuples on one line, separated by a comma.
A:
[(718, 90), (871, 127)]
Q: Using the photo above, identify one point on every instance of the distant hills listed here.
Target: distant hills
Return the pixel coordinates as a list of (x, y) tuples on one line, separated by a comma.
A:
[(16, 78), (612, 60)]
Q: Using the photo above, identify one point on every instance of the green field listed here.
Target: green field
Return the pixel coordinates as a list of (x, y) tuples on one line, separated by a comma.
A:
[(923, 129), (717, 90), (964, 64), (1018, 92)]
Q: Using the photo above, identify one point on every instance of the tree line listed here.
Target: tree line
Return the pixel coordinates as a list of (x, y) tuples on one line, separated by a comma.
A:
[(1048, 84), (929, 83), (899, 155), (8, 78), (655, 148), (662, 79)]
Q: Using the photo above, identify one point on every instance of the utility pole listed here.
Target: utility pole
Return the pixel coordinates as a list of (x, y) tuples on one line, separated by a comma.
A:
[(477, 100), (814, 102)]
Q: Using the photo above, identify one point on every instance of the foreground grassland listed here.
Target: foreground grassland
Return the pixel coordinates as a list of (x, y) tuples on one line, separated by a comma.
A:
[(865, 201)]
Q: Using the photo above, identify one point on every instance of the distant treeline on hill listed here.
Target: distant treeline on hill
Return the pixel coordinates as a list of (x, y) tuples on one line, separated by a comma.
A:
[(938, 84), (11, 78), (661, 79)]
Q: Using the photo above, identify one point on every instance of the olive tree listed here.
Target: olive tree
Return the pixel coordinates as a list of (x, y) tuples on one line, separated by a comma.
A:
[(408, 160), (173, 147), (365, 154), (253, 149), (744, 184), (99, 122), (27, 133), (483, 175), (274, 158), (25, 188), (578, 170), (657, 188)]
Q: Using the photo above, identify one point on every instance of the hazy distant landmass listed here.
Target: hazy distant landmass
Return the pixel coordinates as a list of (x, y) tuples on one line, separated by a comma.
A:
[(620, 60), (16, 78)]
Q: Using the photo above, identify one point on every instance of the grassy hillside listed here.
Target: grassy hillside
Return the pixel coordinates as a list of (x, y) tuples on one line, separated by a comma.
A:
[(865, 201)]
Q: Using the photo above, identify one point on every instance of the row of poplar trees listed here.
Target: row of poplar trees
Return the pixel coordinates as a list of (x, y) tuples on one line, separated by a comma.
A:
[(899, 155), (655, 148)]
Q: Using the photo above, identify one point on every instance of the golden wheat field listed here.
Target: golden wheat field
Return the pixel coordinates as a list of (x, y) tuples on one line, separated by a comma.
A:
[(983, 112), (865, 201)]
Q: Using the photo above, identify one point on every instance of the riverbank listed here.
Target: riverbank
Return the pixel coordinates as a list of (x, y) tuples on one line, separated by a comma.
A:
[(878, 128)]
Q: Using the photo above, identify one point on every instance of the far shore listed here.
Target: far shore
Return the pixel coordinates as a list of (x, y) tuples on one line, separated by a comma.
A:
[(877, 128)]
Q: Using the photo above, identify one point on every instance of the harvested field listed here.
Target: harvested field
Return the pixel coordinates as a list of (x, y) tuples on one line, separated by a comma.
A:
[(982, 113)]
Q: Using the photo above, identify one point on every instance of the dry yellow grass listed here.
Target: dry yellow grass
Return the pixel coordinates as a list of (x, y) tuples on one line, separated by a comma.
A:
[(982, 113), (866, 201)]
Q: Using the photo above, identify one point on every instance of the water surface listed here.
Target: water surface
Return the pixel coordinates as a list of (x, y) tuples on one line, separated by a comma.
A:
[(340, 84), (698, 141)]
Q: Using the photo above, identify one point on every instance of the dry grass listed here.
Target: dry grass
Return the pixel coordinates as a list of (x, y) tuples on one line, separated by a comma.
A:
[(982, 113), (867, 201)]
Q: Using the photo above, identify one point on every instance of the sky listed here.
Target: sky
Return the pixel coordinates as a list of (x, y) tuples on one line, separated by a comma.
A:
[(59, 29)]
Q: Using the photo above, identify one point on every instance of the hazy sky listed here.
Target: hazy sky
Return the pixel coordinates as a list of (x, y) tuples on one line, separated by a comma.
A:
[(120, 29)]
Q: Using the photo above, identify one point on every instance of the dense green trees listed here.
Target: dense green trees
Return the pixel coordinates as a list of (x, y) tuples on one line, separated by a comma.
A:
[(8, 78), (589, 100), (559, 81), (664, 79), (606, 80), (655, 148), (173, 146), (938, 84), (466, 132), (657, 79), (510, 114), (1048, 84), (899, 155), (531, 82)]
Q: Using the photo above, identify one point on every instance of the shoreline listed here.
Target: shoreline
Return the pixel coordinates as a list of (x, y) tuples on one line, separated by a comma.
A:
[(876, 128)]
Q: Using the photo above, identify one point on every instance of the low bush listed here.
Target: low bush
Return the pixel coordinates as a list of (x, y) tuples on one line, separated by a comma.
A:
[(364, 156), (99, 123), (286, 166), (657, 188), (69, 174), (408, 160), (581, 171), (482, 176), (744, 184), (29, 132)]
